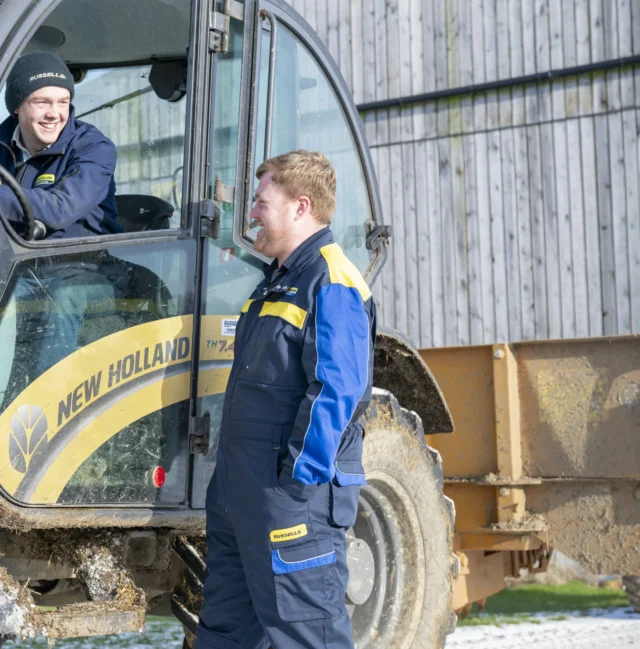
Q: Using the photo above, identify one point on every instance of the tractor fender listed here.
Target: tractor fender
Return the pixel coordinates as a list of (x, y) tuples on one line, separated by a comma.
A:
[(399, 368)]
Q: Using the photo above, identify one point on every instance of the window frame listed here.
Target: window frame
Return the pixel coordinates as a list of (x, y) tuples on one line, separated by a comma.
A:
[(247, 134), (22, 24)]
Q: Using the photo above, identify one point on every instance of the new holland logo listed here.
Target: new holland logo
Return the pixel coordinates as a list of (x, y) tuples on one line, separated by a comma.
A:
[(288, 534), (29, 437)]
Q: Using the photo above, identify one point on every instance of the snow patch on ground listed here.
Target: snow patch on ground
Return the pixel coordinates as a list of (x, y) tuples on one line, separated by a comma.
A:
[(597, 629)]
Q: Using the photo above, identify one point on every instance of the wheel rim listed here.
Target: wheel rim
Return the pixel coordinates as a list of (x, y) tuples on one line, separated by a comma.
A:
[(388, 523)]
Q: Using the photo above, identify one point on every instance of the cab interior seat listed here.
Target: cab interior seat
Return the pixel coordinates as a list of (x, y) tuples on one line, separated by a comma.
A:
[(143, 213)]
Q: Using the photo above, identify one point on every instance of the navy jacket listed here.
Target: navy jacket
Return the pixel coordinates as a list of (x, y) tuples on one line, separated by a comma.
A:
[(70, 185), (303, 367)]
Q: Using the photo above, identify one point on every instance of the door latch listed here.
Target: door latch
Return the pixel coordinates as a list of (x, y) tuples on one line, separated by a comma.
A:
[(199, 434), (377, 235), (219, 25)]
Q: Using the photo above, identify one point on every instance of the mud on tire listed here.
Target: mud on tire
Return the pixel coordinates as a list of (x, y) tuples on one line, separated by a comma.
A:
[(408, 523)]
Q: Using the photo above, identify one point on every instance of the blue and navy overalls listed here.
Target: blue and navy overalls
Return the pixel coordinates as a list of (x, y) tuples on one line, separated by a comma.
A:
[(289, 463)]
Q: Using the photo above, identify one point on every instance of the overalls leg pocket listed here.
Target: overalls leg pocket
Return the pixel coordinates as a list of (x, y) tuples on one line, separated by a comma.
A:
[(306, 581), (344, 492)]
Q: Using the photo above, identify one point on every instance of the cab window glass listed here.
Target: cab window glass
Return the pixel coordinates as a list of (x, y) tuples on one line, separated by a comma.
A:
[(129, 64), (149, 135), (95, 375), (307, 114)]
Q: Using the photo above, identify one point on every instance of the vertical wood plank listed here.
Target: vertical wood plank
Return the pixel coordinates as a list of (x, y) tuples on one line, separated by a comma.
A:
[(418, 66), (583, 55), (447, 242), (404, 53), (611, 52), (398, 211), (460, 242), (436, 253), (496, 220), (551, 243), (635, 37), (491, 62), (609, 316), (424, 200), (441, 60), (619, 225), (598, 54), (537, 232), (625, 48), (479, 73), (322, 24), (382, 69), (564, 260), (411, 242), (484, 215), (529, 60), (466, 63), (543, 57), (527, 300), (429, 43), (356, 48), (503, 48), (333, 18), (370, 72), (570, 55), (590, 182), (511, 236), (474, 224), (394, 67), (453, 66), (578, 240), (516, 56)]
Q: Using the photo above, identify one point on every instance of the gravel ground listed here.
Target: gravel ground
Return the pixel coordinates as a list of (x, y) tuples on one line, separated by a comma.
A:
[(611, 629)]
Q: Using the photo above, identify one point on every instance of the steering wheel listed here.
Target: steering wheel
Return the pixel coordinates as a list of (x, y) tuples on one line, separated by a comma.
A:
[(27, 211)]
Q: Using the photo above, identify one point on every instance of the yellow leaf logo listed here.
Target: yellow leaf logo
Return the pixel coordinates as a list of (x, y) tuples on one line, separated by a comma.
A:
[(28, 438)]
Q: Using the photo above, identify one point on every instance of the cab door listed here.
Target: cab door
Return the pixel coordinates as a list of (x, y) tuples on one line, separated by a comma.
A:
[(98, 332), (276, 89)]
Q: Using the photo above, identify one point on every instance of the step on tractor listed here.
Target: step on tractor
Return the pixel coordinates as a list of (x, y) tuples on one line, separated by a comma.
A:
[(105, 456)]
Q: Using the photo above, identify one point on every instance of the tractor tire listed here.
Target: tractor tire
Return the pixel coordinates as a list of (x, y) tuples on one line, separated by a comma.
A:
[(407, 524), (631, 585), (402, 567)]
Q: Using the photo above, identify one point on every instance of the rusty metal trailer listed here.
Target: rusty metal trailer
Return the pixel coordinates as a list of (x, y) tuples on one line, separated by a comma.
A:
[(545, 453)]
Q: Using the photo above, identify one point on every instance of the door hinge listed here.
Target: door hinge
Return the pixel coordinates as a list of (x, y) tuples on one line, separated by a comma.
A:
[(224, 193), (219, 25), (209, 219), (199, 434), (377, 235)]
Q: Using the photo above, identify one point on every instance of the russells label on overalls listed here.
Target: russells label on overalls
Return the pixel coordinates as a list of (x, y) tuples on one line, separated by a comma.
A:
[(288, 534)]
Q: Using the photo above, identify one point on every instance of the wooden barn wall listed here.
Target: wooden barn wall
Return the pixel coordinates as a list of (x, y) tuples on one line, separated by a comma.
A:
[(516, 213)]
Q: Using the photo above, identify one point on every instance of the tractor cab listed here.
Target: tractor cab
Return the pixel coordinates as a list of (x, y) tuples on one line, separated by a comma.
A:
[(194, 95)]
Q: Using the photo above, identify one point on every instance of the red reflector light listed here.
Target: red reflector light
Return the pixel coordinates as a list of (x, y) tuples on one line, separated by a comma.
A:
[(159, 475)]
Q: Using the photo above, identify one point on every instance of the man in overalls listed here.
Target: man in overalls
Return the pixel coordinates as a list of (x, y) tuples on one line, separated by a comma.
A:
[(289, 464)]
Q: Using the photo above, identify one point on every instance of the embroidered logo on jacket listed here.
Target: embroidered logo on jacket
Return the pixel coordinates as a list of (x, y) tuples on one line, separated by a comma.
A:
[(288, 534), (44, 179)]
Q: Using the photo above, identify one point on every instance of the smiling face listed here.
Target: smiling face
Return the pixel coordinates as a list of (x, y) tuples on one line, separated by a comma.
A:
[(275, 213), (42, 116)]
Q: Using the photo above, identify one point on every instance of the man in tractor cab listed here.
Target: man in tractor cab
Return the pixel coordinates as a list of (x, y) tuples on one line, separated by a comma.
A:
[(289, 463), (66, 168)]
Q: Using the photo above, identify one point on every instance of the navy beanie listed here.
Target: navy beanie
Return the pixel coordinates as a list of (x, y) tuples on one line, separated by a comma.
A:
[(33, 72)]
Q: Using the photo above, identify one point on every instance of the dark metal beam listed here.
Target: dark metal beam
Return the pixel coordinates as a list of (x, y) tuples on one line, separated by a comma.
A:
[(500, 84)]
